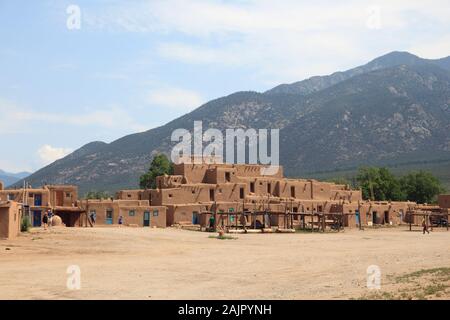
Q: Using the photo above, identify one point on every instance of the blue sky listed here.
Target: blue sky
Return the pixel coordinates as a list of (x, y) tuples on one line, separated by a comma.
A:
[(135, 65)]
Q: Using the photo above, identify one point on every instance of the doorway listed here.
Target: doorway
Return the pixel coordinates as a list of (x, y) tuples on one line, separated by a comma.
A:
[(195, 218), (146, 219), (109, 217), (386, 217), (374, 217), (37, 218)]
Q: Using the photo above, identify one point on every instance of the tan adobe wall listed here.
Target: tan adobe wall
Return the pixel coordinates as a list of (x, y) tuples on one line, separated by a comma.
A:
[(63, 196), (10, 218), (173, 181), (129, 195), (116, 208), (299, 189), (230, 192), (189, 193), (50, 196), (380, 212), (31, 197), (444, 200)]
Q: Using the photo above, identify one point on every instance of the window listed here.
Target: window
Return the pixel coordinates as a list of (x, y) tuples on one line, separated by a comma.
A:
[(68, 195), (170, 195), (241, 193), (155, 213), (129, 195), (292, 191), (11, 196), (252, 187), (227, 177), (269, 188), (131, 213), (211, 195)]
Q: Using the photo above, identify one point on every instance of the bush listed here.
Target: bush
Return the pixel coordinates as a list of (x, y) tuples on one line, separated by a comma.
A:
[(25, 224)]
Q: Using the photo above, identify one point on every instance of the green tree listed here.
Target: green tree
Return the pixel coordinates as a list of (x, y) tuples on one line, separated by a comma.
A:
[(160, 166), (97, 195), (379, 184), (421, 186)]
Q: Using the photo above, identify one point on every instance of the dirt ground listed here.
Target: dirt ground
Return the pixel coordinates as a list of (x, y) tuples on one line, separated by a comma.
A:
[(142, 263)]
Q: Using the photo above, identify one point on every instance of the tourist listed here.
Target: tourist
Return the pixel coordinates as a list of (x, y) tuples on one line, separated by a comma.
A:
[(211, 223), (120, 221), (93, 217), (45, 221), (50, 217), (425, 226)]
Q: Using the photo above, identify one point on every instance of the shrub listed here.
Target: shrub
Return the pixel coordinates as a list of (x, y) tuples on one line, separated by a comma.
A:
[(25, 224)]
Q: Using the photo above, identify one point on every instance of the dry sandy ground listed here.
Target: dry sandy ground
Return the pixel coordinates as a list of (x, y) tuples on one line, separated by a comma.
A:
[(138, 263)]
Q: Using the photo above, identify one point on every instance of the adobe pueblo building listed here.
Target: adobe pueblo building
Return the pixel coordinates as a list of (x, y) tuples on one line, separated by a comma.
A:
[(211, 196), (239, 196), (62, 200)]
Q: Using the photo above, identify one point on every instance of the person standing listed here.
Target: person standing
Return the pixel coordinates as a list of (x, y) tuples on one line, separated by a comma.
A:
[(212, 223), (93, 217), (50, 217), (120, 221), (425, 226), (45, 220)]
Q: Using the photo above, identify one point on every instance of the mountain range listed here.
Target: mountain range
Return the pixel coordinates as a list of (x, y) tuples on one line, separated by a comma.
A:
[(9, 178), (394, 111)]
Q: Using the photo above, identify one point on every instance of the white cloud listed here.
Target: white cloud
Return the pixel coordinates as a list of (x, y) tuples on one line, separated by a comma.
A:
[(48, 154), (15, 119), (278, 40), (175, 98)]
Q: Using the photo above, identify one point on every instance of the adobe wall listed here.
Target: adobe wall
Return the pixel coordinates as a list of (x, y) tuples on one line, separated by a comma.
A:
[(290, 188), (18, 196), (62, 196), (10, 219), (202, 173), (129, 194), (51, 196), (126, 208), (444, 200), (166, 181)]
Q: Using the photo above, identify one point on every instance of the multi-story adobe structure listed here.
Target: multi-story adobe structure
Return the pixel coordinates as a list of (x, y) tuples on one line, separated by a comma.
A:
[(237, 195), (197, 191), (61, 199)]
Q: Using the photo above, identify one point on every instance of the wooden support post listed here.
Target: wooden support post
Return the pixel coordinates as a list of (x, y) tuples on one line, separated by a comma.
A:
[(323, 222)]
